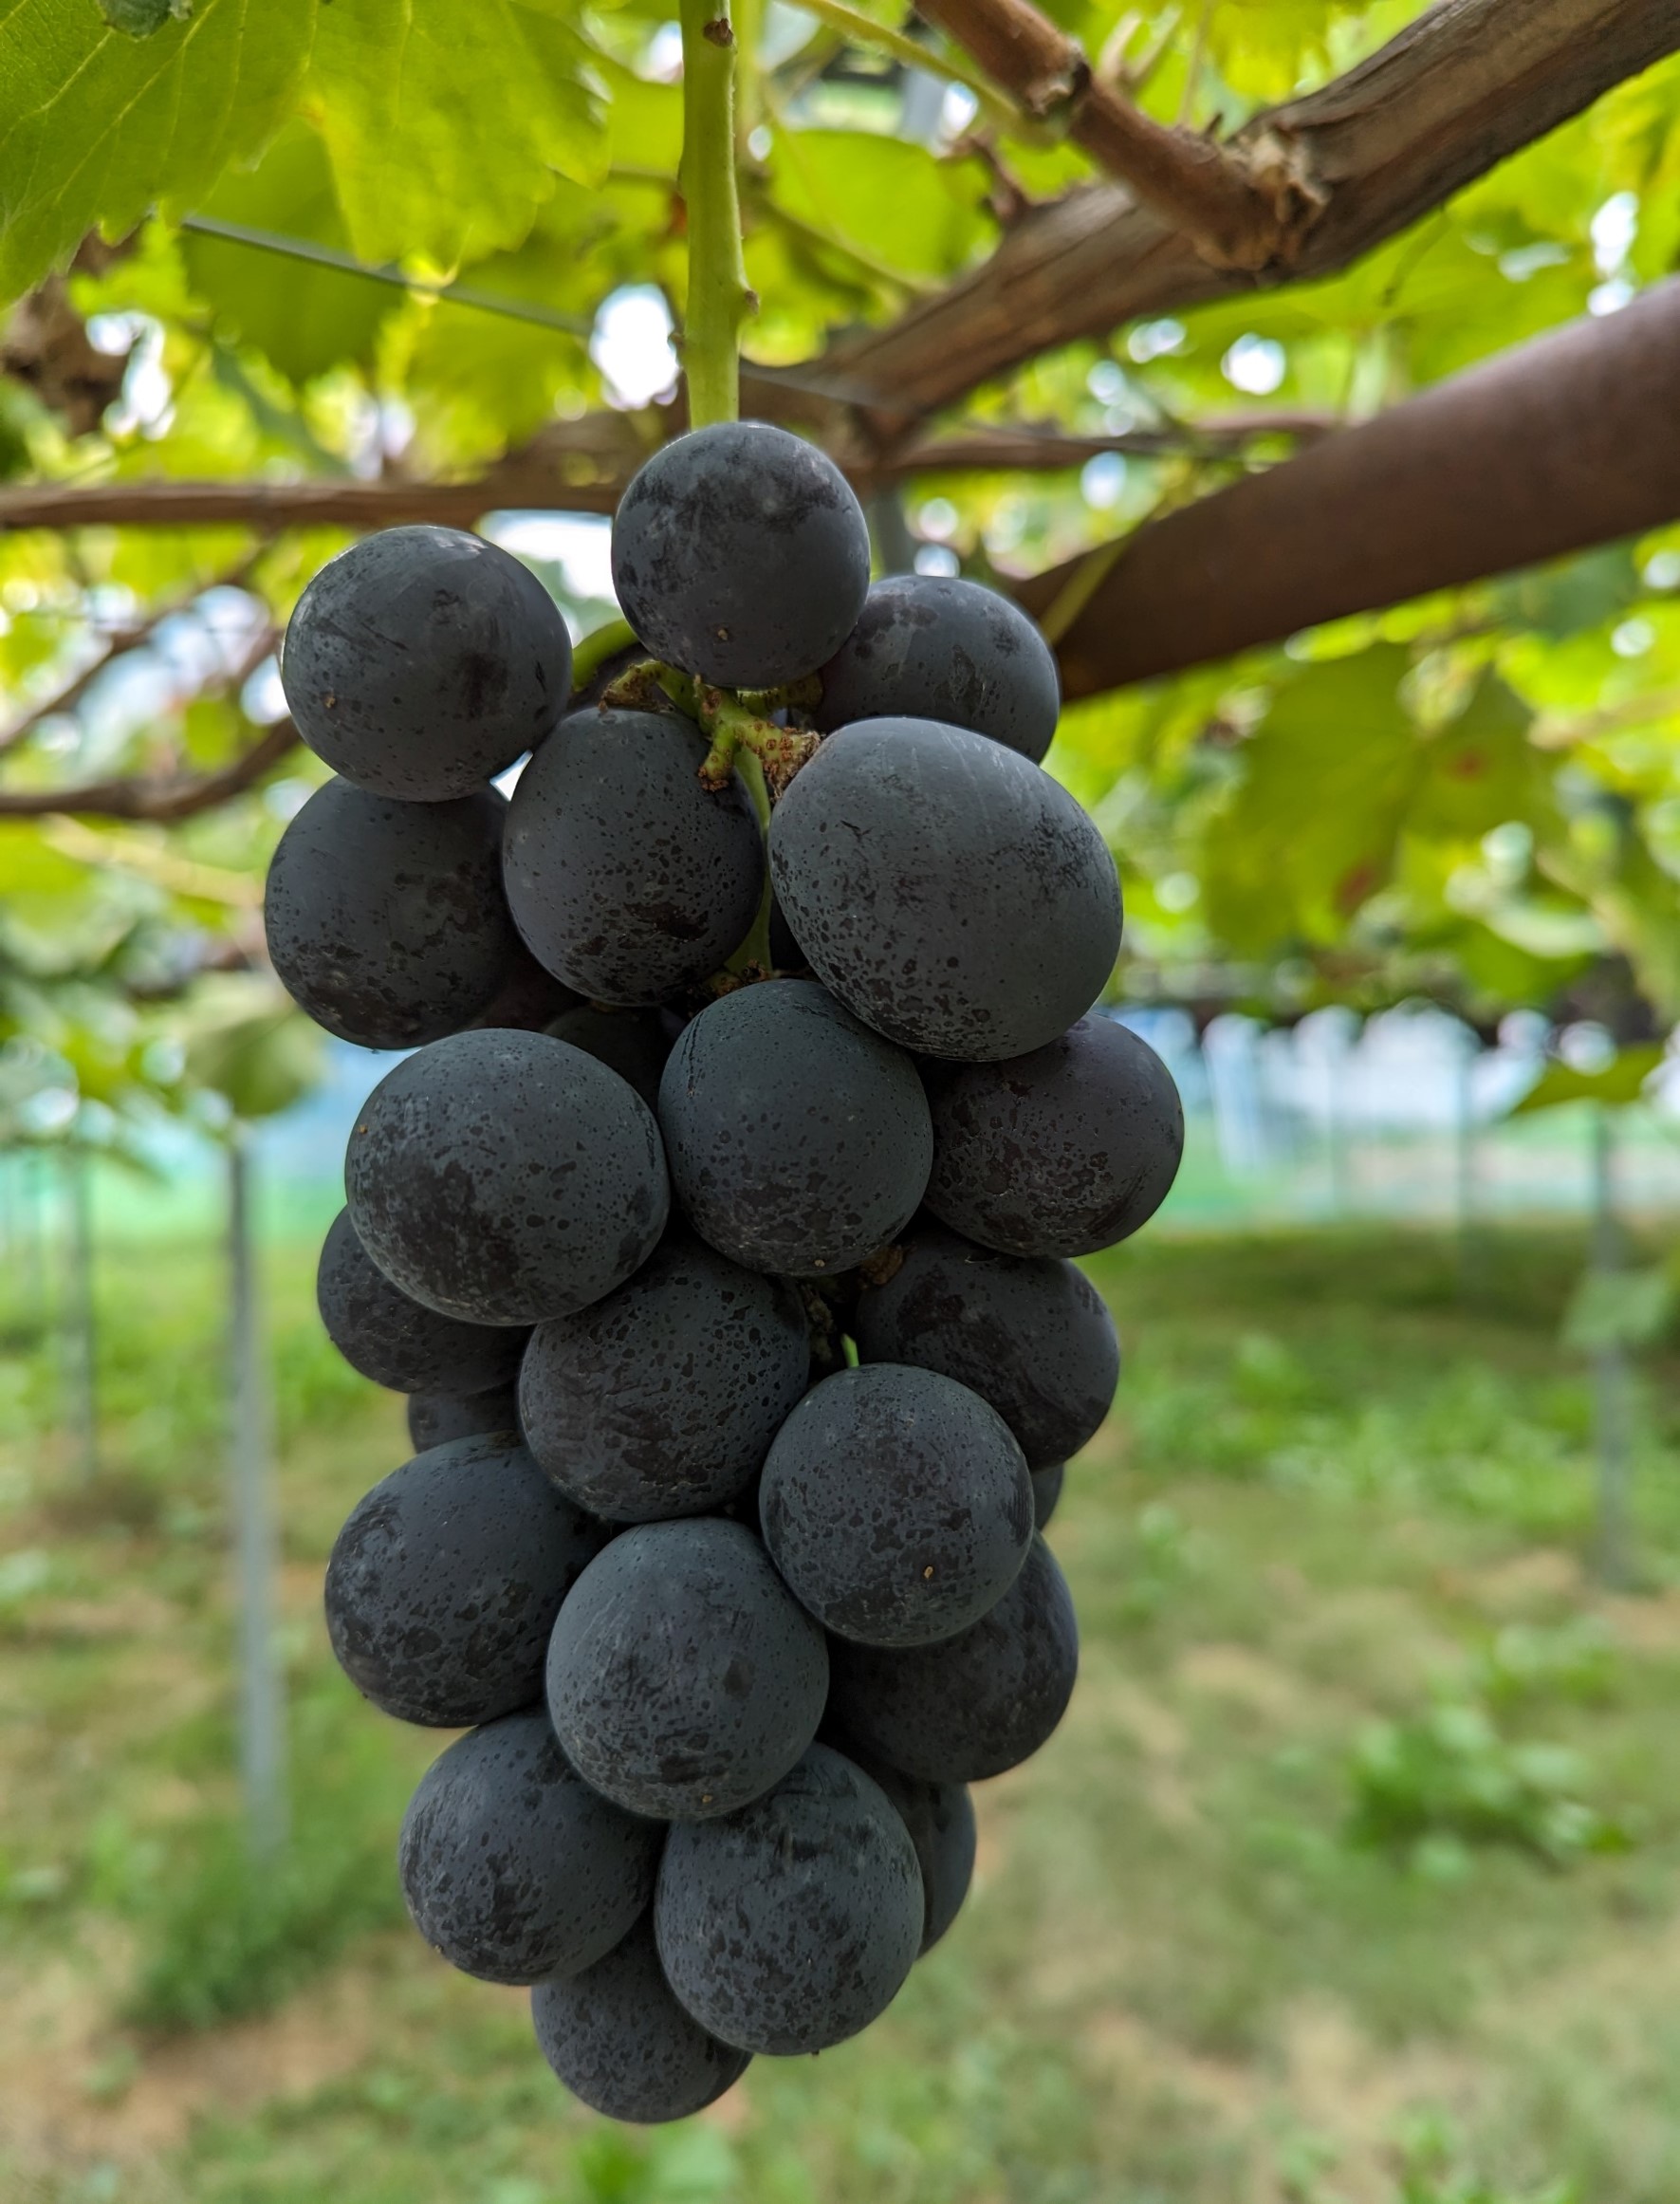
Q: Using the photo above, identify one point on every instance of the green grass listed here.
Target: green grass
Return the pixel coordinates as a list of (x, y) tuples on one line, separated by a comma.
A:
[(1353, 1876)]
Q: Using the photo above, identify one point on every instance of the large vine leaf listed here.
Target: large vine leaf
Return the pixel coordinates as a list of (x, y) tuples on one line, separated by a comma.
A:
[(101, 126), (447, 124)]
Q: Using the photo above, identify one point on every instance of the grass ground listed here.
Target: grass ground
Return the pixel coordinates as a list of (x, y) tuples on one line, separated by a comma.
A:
[(1352, 1878)]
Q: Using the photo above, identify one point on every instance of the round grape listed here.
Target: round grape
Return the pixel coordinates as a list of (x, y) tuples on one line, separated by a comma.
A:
[(947, 890), (626, 876), (395, 1340), (929, 646), (1031, 1336), (386, 921), (740, 554), (799, 1142), (422, 661), (895, 1505), (528, 997), (974, 1705), (445, 1581), (1061, 1152), (684, 1679), (503, 1177), (619, 2040), (434, 1419), (663, 1398), (512, 1868), (790, 1925)]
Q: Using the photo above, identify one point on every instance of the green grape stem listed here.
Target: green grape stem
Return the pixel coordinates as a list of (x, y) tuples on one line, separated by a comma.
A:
[(719, 299)]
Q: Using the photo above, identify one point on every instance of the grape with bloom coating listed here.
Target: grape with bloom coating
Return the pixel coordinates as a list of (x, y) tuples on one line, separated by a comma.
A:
[(386, 921), (947, 890), (791, 1924), (1062, 1152), (423, 661), (740, 554), (930, 647), (684, 1679), (799, 1140), (444, 1584), (512, 1868), (617, 2038), (503, 1177)]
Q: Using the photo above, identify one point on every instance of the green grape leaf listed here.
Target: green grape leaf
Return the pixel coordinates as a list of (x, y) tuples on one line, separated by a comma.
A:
[(103, 126), (1310, 835), (1622, 1081), (305, 319), (447, 125)]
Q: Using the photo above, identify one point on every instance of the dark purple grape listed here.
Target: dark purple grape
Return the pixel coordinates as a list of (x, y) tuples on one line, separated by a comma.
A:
[(929, 646), (503, 1177), (386, 921), (513, 1869), (684, 1679), (422, 661), (740, 553), (947, 890), (799, 1142), (1061, 1152), (1031, 1337), (790, 1925), (444, 1584), (626, 876), (395, 1340), (663, 1398), (619, 2040), (896, 1505), (974, 1705)]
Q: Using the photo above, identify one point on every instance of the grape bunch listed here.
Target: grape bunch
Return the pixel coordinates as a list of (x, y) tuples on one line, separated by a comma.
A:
[(719, 1230)]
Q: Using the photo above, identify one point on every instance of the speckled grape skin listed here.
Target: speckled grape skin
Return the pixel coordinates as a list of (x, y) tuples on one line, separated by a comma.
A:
[(1046, 1493), (973, 1705), (395, 1341), (799, 1142), (626, 876), (791, 1925), (386, 921), (634, 1043), (940, 1818), (684, 1679), (1061, 1152), (445, 1581), (512, 1868), (896, 1505), (434, 1419), (740, 553), (947, 890), (619, 2040), (422, 661), (1031, 1336), (930, 647), (503, 1177), (663, 1398)]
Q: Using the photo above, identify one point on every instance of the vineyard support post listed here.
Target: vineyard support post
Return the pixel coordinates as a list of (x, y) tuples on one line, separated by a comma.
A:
[(262, 1710)]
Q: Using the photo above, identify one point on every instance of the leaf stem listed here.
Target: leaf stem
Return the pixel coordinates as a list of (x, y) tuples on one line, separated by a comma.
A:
[(719, 300)]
